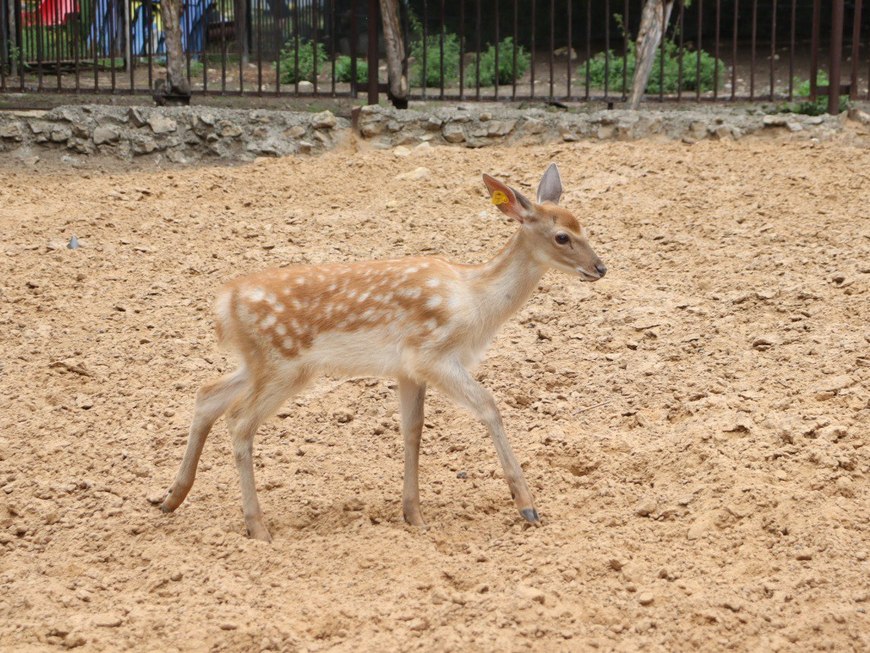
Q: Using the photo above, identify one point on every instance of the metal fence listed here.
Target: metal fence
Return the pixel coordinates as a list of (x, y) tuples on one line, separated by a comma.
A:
[(553, 50)]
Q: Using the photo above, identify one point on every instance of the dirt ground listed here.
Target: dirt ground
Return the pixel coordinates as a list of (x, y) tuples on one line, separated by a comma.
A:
[(694, 427)]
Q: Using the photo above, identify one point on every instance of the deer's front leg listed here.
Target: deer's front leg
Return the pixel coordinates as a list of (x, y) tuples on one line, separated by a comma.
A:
[(458, 383), (411, 397)]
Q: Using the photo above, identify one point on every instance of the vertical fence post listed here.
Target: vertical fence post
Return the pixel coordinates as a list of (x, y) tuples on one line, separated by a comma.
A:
[(836, 56), (353, 43), (814, 50), (856, 50), (374, 17)]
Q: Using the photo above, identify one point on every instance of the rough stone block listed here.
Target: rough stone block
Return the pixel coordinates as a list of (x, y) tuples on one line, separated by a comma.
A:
[(371, 128), (161, 124), (104, 135), (11, 131), (136, 117), (323, 120), (143, 145), (453, 133), (229, 129)]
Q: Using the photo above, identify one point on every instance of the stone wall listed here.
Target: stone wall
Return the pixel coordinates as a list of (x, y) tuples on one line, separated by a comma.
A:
[(194, 134), (475, 126), (175, 134)]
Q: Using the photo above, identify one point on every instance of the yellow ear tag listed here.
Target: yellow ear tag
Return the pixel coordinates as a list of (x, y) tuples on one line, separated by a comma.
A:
[(498, 197)]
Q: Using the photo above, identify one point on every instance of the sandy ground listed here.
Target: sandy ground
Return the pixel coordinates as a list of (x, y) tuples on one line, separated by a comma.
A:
[(694, 427)]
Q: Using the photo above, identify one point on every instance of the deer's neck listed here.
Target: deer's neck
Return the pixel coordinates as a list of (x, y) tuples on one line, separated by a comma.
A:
[(504, 283)]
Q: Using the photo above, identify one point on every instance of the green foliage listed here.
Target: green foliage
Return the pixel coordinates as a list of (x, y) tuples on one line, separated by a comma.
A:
[(308, 54), (434, 60), (611, 65), (808, 107), (677, 72), (343, 70), (506, 72), (196, 69)]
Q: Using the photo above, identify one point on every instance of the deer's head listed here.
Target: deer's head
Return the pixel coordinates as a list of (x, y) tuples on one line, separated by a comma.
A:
[(557, 237)]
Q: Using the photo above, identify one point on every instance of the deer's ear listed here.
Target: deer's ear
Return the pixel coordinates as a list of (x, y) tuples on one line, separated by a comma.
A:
[(550, 188), (509, 201)]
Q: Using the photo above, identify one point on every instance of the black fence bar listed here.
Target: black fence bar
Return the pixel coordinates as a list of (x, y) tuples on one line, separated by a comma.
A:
[(856, 50), (587, 67), (425, 63), (791, 50), (94, 51), (773, 52), (550, 60), (442, 31), (734, 32), (681, 22), (625, 50), (354, 35), (5, 50), (497, 69), (39, 50), (662, 58), (478, 45), (534, 52), (516, 49), (718, 35), (607, 50), (372, 58), (754, 44), (462, 43), (699, 46), (837, 11), (814, 50), (569, 51)]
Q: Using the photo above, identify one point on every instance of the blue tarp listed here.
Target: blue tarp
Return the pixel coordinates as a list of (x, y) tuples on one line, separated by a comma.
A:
[(146, 27)]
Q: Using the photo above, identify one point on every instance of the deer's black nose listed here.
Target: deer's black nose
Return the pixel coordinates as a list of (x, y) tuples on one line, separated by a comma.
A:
[(601, 269)]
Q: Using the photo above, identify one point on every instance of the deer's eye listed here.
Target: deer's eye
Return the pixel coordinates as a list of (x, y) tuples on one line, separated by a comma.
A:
[(563, 239)]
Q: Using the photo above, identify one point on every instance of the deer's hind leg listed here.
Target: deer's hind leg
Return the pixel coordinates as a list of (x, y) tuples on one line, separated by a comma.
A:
[(411, 397), (260, 401), (212, 400)]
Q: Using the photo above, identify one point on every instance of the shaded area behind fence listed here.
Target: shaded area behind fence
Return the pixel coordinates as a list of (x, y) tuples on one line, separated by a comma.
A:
[(566, 50)]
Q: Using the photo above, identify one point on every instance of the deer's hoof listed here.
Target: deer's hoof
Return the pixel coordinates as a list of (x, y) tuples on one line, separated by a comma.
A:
[(530, 515), (413, 518), (259, 532)]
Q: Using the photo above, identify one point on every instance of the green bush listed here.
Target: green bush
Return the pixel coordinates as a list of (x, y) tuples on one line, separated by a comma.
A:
[(196, 68), (434, 61), (290, 73), (506, 72), (809, 108), (343, 70), (669, 83)]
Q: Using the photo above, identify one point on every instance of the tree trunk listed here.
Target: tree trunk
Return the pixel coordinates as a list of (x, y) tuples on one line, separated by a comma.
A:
[(176, 89), (653, 24), (396, 61), (13, 50), (240, 17)]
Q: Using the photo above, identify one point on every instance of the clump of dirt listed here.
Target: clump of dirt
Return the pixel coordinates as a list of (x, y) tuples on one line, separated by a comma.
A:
[(693, 427)]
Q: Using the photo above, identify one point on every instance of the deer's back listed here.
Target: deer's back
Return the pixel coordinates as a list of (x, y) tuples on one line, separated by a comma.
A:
[(377, 318)]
